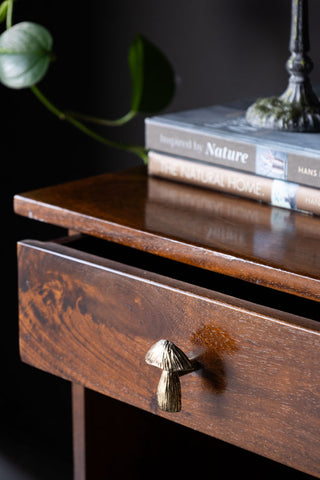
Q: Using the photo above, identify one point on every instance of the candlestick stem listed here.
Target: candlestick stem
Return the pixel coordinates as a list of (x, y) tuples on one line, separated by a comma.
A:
[(298, 108)]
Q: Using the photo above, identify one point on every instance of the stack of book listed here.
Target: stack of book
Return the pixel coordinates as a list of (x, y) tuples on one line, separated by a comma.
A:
[(216, 148)]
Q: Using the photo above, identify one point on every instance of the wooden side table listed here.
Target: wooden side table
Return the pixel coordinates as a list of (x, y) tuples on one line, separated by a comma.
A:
[(234, 284)]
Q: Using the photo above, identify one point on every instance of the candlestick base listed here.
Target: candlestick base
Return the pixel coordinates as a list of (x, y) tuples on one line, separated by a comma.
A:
[(297, 110)]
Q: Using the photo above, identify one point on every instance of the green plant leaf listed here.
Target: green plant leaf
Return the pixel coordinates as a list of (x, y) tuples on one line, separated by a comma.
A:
[(3, 10), (152, 77), (25, 54)]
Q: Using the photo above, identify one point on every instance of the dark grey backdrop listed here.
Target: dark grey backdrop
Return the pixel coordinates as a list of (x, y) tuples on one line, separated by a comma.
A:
[(221, 50)]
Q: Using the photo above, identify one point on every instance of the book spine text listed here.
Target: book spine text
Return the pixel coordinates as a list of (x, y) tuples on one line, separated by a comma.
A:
[(263, 160), (274, 192)]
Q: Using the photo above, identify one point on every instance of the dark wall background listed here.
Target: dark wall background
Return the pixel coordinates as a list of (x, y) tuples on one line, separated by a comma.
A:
[(221, 50)]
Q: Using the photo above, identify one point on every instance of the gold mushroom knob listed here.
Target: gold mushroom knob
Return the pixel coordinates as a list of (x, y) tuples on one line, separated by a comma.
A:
[(174, 363)]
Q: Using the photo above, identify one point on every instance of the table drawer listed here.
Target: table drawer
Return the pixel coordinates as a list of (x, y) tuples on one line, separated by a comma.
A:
[(92, 320)]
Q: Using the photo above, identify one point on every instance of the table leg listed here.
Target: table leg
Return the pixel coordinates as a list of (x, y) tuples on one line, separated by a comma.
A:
[(79, 432)]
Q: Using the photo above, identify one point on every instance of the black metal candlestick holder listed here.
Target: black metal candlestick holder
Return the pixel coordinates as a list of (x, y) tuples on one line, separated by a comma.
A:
[(298, 108)]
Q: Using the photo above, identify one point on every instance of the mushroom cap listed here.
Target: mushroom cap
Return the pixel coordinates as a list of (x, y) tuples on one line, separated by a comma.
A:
[(167, 356)]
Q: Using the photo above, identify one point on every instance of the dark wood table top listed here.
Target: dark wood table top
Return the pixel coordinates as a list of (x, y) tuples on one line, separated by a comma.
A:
[(268, 246)]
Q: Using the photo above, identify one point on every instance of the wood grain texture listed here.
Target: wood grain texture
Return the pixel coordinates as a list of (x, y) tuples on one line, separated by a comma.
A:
[(268, 246), (92, 321)]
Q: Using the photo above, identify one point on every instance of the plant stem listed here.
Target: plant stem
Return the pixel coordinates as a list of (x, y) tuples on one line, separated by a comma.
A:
[(9, 14), (102, 121), (136, 149)]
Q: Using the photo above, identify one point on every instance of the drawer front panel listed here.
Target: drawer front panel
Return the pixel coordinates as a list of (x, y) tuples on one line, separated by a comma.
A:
[(91, 321)]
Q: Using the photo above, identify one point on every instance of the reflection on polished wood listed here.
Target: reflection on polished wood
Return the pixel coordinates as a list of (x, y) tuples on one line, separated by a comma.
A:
[(268, 246)]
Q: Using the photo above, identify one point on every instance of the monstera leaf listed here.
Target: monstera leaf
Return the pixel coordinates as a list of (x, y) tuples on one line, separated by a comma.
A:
[(152, 76), (25, 54)]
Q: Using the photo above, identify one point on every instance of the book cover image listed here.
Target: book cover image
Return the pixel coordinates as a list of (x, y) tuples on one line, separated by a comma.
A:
[(284, 194), (271, 163)]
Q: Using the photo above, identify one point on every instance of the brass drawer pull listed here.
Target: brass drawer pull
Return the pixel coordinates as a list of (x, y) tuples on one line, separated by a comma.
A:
[(174, 363)]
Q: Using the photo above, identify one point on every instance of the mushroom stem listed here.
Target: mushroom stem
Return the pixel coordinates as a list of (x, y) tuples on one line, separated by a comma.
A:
[(169, 392)]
